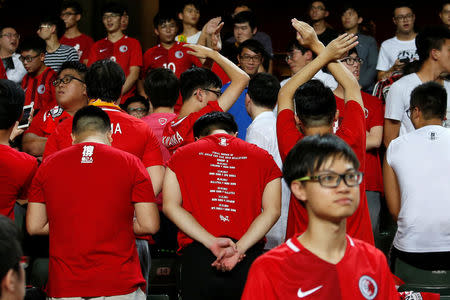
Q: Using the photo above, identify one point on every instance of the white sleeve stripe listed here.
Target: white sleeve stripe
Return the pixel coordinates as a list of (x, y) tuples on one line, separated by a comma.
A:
[(291, 245)]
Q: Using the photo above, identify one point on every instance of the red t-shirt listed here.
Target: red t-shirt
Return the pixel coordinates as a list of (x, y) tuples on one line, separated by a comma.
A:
[(90, 213), (352, 131), (129, 134), (3, 72), (81, 43), (225, 194), (374, 114), (40, 90), (16, 172), (45, 122), (127, 52), (290, 271), (180, 132)]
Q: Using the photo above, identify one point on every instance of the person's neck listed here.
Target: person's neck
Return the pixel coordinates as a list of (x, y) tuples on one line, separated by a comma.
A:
[(5, 53), (353, 30), (187, 108), (115, 36), (52, 44), (325, 239), (92, 137), (4, 136), (317, 130), (218, 131), (71, 110), (163, 110), (39, 72), (189, 30), (72, 32), (430, 71), (403, 36), (319, 26), (423, 122), (167, 45), (257, 110)]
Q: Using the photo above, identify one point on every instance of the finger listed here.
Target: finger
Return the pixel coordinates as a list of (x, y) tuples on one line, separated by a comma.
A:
[(219, 27)]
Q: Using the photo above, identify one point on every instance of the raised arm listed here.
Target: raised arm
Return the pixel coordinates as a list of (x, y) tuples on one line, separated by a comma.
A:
[(239, 79)]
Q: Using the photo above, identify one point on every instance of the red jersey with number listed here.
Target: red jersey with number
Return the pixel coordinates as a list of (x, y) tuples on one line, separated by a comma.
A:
[(44, 123), (222, 180), (128, 133), (180, 132), (81, 43), (291, 271), (92, 243), (353, 132), (127, 52), (40, 90), (16, 172)]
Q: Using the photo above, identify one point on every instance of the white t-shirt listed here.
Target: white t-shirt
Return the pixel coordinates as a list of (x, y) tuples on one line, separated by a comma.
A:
[(398, 99), (263, 133), (393, 49), (327, 79), (193, 39), (421, 162), (18, 72)]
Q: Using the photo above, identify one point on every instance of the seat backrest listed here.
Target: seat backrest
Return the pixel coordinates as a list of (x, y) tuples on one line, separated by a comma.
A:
[(410, 275)]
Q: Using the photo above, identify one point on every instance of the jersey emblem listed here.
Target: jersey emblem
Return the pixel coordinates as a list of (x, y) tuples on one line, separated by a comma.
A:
[(366, 112), (368, 287), (301, 294), (56, 111), (113, 58), (123, 48), (41, 89), (162, 121), (179, 54), (223, 142), (224, 218), (158, 57), (88, 151)]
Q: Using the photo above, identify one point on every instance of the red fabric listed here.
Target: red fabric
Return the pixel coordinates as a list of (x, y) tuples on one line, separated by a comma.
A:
[(127, 52), (352, 131), (3, 72), (225, 194), (221, 73), (82, 43), (40, 90), (92, 244), (417, 295), (45, 122), (129, 134), (290, 271), (180, 132), (16, 172)]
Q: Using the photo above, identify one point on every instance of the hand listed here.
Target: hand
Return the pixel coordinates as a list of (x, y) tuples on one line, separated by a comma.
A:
[(199, 51), (212, 30), (338, 47), (222, 247), (211, 26), (16, 131), (398, 65), (306, 35), (228, 263)]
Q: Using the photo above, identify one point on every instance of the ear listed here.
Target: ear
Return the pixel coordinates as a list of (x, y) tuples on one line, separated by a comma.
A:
[(435, 54), (78, 18), (9, 282), (360, 19), (298, 190), (180, 16), (394, 20), (42, 57), (109, 136), (239, 59), (308, 55), (156, 32), (74, 139), (327, 13), (298, 122), (53, 28), (255, 30), (336, 116)]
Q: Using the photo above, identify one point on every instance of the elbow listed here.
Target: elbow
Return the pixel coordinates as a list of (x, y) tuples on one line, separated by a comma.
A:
[(33, 148), (32, 228)]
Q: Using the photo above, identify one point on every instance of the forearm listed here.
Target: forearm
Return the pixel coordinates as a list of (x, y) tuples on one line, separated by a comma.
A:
[(391, 131), (345, 78), (34, 144), (374, 137), (157, 176), (236, 75), (130, 81), (140, 88)]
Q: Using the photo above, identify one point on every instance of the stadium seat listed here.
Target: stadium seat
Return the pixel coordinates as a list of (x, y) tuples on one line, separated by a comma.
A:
[(39, 272)]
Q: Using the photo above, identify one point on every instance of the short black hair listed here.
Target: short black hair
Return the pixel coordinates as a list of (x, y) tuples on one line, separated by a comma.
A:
[(431, 37), (252, 45), (10, 249), (55, 21), (162, 87), (244, 17), (315, 104), (325, 3), (196, 78), (164, 16), (74, 5), (213, 121), (113, 7), (137, 98), (442, 4), (77, 66), (294, 44), (402, 3), (351, 5), (309, 155), (90, 118), (184, 3), (12, 99), (263, 90), (104, 80), (34, 43), (431, 99)]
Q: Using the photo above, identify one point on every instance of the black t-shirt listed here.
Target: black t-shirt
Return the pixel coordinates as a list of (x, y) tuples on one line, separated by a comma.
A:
[(327, 36)]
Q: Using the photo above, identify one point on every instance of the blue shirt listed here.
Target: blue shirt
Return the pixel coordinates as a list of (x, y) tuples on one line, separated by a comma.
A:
[(239, 113)]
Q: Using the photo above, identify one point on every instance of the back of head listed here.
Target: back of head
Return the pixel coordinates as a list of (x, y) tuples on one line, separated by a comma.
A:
[(431, 99), (104, 80), (74, 5), (254, 46), (244, 17), (162, 87), (312, 152), (34, 43), (55, 21), (432, 37), (113, 7), (90, 120), (12, 99), (196, 78), (10, 250), (77, 66), (263, 90), (215, 120), (164, 16), (315, 104)]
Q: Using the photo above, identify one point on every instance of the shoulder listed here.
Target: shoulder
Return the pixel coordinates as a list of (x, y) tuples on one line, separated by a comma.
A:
[(389, 42), (363, 38), (364, 249), (408, 81), (18, 157), (131, 41)]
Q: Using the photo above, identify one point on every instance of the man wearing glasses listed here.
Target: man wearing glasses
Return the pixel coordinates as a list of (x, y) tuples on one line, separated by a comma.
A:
[(70, 96), (318, 12), (395, 51), (71, 14), (118, 47), (9, 41)]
